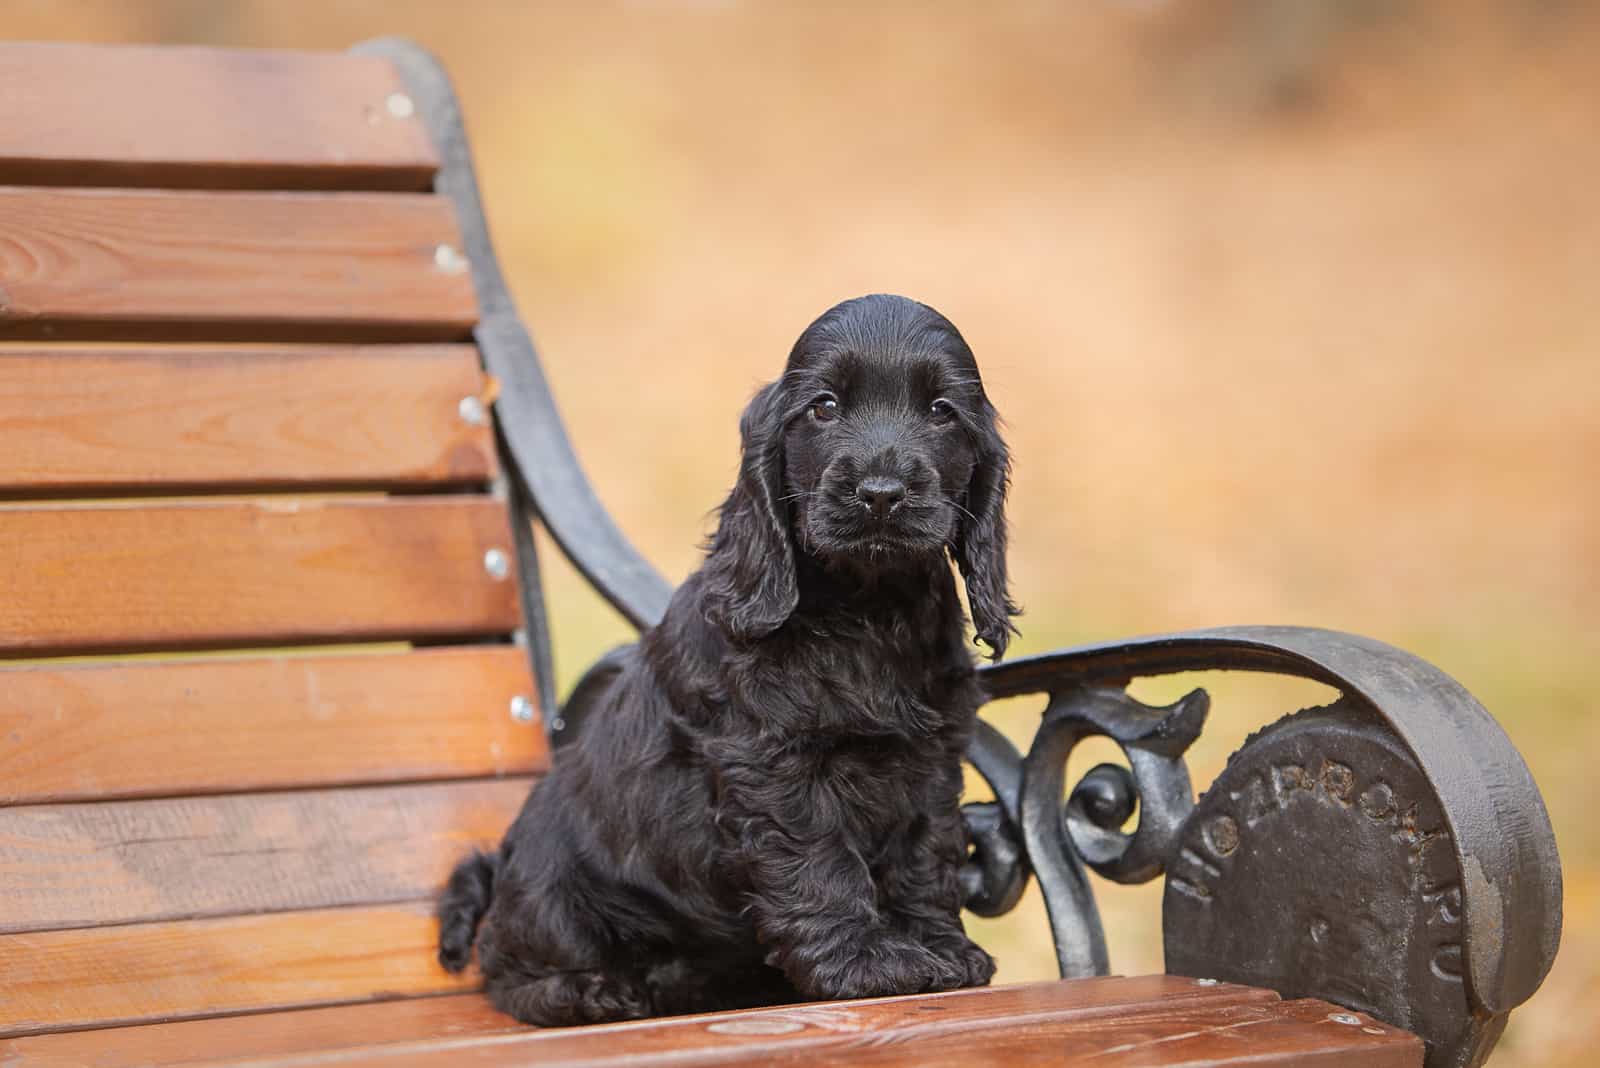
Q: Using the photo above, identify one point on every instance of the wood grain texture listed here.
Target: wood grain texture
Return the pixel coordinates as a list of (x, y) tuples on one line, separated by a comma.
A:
[(262, 1035), (205, 117), (143, 861), (78, 732), (802, 1034), (264, 572), (132, 265), (1152, 1020), (74, 421), (105, 975), (343, 1032), (987, 1029), (1295, 1034)]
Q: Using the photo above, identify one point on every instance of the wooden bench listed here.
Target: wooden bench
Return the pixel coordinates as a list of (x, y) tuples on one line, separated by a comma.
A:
[(273, 653)]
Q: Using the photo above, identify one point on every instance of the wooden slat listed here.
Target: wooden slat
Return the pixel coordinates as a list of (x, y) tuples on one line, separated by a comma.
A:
[(105, 975), (135, 265), (1152, 1020), (460, 1019), (204, 117), (1295, 1034), (972, 1020), (91, 421), (261, 1035), (78, 732), (142, 861), (976, 1028), (267, 571)]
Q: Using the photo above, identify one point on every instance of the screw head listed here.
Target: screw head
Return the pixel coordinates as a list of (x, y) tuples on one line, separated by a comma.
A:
[(497, 564), (521, 709), (449, 260), (400, 105), (1344, 1018), (558, 724), (472, 411)]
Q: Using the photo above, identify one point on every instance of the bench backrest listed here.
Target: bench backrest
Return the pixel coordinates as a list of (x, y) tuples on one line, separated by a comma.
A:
[(259, 686)]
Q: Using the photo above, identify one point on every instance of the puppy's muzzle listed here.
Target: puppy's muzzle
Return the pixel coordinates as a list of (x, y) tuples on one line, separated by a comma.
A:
[(880, 495)]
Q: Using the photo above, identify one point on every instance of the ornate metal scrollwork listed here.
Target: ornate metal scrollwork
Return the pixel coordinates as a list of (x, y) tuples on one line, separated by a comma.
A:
[(997, 871), (1088, 829), (1058, 839), (997, 868), (1389, 852)]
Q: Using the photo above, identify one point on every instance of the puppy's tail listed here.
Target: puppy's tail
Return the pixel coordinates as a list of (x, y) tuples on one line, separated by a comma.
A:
[(464, 901)]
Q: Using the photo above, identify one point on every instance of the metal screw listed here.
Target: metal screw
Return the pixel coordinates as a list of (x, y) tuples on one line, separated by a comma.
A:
[(449, 260), (472, 411), (558, 724), (1205, 982), (400, 105), (521, 709), (1344, 1018), (497, 563)]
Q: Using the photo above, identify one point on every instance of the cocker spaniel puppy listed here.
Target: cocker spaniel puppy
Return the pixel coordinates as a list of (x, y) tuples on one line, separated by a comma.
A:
[(762, 805)]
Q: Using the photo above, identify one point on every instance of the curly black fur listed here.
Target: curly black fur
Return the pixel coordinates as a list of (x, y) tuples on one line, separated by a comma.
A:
[(763, 805)]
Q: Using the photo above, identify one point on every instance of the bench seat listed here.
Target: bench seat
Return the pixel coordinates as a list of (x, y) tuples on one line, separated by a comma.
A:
[(1150, 1020)]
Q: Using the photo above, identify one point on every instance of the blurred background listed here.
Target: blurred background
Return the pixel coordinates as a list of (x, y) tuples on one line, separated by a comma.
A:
[(1290, 306)]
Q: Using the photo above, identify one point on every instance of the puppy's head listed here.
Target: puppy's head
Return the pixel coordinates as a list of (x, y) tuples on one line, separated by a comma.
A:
[(877, 448)]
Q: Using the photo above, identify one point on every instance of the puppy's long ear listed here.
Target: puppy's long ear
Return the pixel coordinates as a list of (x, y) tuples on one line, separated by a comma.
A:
[(750, 577), (980, 543)]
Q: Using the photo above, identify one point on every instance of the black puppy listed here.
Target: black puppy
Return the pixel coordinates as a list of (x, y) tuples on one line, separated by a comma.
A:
[(762, 805)]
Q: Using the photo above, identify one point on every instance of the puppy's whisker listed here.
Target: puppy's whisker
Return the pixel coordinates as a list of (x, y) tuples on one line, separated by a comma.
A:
[(951, 501)]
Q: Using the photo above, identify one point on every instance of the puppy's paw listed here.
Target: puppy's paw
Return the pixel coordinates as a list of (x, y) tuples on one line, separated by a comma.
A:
[(455, 946), (963, 961), (604, 998), (565, 999), (454, 958), (880, 966)]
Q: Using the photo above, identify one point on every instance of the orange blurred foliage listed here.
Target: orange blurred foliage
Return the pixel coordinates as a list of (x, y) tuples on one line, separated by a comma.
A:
[(1290, 306)]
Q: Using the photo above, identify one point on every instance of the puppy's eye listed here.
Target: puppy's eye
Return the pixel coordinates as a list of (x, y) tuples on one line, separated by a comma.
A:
[(942, 411), (825, 408)]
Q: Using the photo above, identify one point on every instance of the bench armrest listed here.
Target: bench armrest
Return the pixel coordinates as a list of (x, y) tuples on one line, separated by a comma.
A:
[(544, 465), (1390, 851)]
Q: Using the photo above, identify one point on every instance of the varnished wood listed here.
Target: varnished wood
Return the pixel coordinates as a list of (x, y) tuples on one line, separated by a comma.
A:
[(206, 117), (105, 975), (262, 571), (86, 731), (1233, 1026), (89, 421), (145, 264), (1152, 1020), (142, 861), (798, 1034), (802, 1030), (261, 1035), (1295, 1034)]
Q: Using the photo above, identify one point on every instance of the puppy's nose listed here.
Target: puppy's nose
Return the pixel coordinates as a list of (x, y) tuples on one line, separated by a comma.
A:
[(881, 494)]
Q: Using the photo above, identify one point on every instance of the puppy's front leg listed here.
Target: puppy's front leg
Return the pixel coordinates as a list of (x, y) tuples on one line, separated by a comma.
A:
[(922, 891), (815, 909)]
